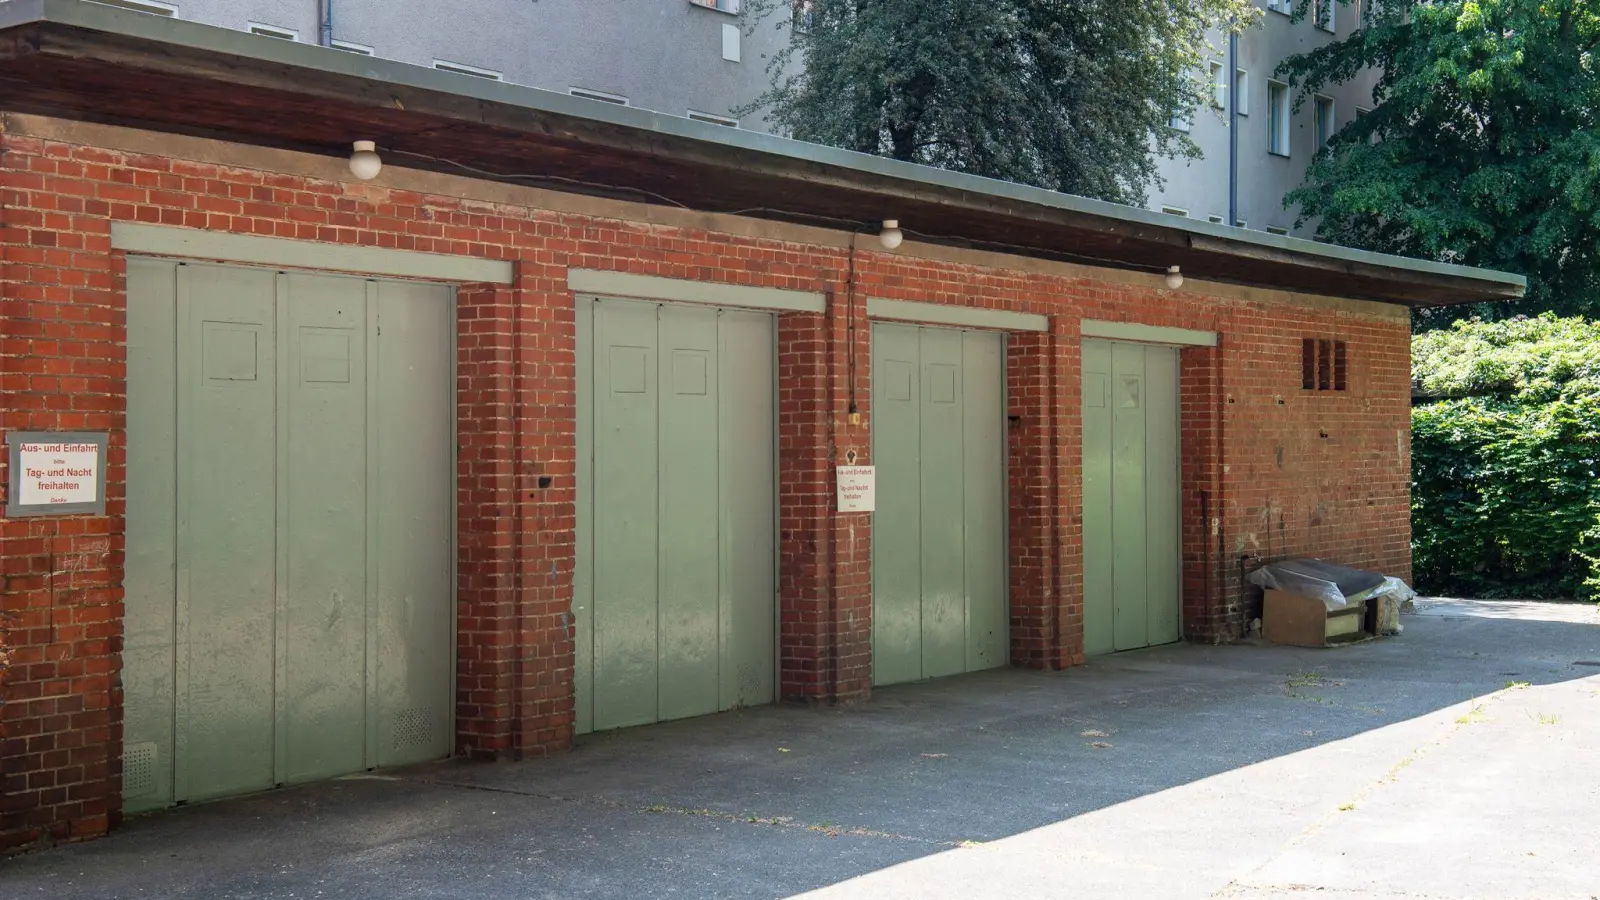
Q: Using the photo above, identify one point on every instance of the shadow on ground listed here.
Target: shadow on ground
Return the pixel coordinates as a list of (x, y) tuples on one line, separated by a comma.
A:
[(778, 801)]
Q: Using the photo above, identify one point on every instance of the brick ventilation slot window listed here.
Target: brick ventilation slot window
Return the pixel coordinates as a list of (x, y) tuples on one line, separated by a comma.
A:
[(1324, 365)]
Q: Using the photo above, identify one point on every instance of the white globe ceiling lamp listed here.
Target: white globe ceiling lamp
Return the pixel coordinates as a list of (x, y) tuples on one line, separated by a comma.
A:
[(364, 161), (891, 236), (1174, 277)]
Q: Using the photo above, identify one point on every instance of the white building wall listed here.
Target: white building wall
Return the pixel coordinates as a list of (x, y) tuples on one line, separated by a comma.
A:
[(1200, 187)]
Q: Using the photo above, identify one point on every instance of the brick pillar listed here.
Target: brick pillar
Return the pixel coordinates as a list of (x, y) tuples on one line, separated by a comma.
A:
[(1211, 593), (62, 368), (485, 527)]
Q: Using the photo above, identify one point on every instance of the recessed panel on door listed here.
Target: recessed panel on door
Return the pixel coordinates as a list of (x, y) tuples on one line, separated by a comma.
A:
[(938, 533), (1130, 496), (674, 594)]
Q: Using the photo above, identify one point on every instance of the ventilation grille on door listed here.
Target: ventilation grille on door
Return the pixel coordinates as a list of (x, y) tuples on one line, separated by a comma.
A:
[(413, 728), (138, 769), (749, 683)]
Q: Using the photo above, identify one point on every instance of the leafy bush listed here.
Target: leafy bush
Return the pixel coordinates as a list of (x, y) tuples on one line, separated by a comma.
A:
[(1504, 460)]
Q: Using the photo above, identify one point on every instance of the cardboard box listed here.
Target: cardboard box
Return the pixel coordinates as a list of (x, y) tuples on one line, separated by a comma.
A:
[(1301, 621)]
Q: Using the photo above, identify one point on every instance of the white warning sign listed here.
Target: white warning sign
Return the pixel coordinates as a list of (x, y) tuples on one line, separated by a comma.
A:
[(858, 487)]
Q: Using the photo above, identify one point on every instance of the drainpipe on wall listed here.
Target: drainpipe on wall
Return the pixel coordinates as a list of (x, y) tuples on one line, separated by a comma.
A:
[(1232, 82), (325, 22)]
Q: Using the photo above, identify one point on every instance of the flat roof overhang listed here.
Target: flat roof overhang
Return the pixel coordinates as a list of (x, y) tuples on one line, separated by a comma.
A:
[(86, 61)]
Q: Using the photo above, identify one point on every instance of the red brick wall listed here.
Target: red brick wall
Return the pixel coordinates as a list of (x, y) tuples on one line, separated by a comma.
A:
[(62, 333)]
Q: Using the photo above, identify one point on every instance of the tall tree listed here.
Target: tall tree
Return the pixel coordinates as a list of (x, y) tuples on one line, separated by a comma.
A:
[(1072, 95), (1482, 147)]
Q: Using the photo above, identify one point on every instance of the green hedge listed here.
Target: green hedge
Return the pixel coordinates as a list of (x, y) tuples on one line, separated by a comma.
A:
[(1506, 459)]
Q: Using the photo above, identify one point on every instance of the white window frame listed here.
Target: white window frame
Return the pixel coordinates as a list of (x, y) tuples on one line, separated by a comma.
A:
[(1281, 6), (1321, 135), (1215, 219), (1279, 107), (353, 47), (713, 118), (1241, 84), (455, 68), (602, 96), (1180, 123), (1278, 230), (731, 7), (1175, 211), (1317, 6), (153, 7), (1241, 223), (272, 31), (1219, 87)]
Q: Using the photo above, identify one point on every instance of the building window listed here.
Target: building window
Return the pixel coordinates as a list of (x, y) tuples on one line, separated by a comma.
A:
[(1324, 120), (1323, 365), (801, 13), (1219, 87), (273, 31), (464, 69), (1241, 86), (1278, 116), (602, 96), (145, 6), (1240, 223), (1175, 211), (1281, 6), (1322, 13), (713, 119), (1215, 219), (1181, 123), (1278, 230), (728, 6), (351, 47)]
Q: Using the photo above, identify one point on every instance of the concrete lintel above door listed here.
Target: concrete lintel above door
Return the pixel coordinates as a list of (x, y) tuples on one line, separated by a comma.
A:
[(652, 287), (1148, 334), (255, 249), (959, 316)]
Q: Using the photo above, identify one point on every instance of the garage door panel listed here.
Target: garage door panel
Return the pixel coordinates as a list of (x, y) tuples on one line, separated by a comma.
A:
[(625, 514), (1131, 542), (896, 523), (1161, 493), (227, 364), (271, 620), (1099, 613), (324, 526), (152, 553), (413, 513), (943, 526), (689, 595), (675, 569), (938, 535), (983, 481), (747, 450)]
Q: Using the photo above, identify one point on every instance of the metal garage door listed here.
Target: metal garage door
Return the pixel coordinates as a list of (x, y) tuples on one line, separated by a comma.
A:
[(939, 533), (675, 596), (289, 530), (1130, 496)]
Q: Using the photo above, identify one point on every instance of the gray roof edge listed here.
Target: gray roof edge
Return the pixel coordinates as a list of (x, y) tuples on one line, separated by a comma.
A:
[(99, 17)]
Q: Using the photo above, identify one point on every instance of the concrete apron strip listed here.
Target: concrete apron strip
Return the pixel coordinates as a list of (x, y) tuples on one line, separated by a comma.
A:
[(665, 809), (1243, 886)]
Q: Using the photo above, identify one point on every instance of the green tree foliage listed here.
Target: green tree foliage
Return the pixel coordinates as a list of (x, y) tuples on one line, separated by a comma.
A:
[(1482, 147), (1073, 96), (1505, 463)]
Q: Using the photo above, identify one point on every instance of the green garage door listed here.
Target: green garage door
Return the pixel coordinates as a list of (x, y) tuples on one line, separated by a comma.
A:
[(675, 597), (939, 532), (1130, 496), (289, 528)]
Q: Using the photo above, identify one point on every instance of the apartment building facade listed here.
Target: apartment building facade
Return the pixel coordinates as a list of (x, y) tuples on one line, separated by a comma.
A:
[(701, 59), (1278, 136), (690, 58)]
